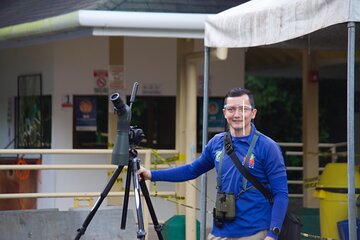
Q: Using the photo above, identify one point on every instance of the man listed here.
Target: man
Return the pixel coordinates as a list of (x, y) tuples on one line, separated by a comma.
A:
[(255, 217)]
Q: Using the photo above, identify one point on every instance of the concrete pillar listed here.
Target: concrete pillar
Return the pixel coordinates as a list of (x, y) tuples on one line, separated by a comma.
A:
[(116, 57), (190, 199), (184, 47), (310, 126)]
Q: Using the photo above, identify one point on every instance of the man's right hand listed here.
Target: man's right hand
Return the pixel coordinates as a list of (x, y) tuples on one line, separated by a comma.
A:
[(144, 173)]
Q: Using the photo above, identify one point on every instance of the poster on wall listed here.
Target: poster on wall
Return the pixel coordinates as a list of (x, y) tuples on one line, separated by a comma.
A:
[(216, 121), (85, 114)]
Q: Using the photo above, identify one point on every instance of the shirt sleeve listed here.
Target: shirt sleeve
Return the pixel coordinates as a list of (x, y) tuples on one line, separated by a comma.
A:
[(188, 171), (274, 161), (276, 174), (280, 194)]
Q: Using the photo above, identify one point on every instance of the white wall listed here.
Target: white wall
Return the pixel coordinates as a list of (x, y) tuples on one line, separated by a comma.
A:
[(151, 61), (74, 62), (227, 74), (224, 74), (15, 62), (67, 68)]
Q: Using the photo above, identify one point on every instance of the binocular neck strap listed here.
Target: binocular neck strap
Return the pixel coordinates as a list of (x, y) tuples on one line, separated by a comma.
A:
[(248, 155), (218, 181), (244, 171)]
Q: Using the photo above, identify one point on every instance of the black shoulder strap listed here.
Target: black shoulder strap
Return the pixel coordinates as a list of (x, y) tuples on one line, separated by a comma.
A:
[(230, 151)]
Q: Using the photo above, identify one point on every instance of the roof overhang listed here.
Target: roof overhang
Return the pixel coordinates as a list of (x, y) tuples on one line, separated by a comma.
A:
[(104, 23)]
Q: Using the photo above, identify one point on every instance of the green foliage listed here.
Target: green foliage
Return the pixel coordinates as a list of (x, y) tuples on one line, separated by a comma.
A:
[(279, 104), (30, 122), (279, 107)]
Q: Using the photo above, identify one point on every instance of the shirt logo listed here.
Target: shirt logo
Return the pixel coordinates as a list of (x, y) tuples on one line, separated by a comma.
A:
[(251, 162), (218, 156)]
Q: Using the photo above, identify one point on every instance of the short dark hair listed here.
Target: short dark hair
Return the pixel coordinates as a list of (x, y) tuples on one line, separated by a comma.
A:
[(237, 92)]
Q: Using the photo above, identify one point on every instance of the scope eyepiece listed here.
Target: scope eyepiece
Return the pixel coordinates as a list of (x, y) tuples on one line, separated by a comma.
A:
[(116, 100)]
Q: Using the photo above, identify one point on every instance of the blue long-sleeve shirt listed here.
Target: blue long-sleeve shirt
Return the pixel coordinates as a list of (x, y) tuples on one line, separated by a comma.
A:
[(254, 213)]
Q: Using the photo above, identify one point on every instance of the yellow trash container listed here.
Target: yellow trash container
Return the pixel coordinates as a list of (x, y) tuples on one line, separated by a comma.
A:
[(332, 193)]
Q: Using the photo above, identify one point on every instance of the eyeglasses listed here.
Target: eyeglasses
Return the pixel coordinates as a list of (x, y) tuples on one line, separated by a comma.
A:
[(232, 109)]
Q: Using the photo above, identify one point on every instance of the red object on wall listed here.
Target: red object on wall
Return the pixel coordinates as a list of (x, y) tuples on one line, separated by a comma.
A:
[(313, 76), (19, 181)]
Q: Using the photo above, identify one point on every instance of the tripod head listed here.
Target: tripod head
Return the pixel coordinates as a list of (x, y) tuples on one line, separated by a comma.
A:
[(120, 154), (136, 135)]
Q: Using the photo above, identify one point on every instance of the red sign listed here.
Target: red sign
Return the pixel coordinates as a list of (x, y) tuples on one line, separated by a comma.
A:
[(101, 81)]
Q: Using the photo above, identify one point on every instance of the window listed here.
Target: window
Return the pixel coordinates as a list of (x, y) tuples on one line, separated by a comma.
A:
[(156, 117), (90, 121), (32, 114)]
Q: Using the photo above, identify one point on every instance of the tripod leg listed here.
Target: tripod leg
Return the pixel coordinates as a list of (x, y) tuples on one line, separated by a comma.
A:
[(126, 195), (141, 232), (157, 226), (103, 195)]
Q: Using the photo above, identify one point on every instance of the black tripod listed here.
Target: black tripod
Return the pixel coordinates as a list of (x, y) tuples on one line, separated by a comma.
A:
[(133, 166), (122, 151)]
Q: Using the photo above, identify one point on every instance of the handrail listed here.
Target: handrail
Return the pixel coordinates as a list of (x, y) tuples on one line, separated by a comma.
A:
[(67, 167), (58, 167), (76, 194), (331, 146), (299, 144), (79, 151), (147, 163), (146, 152), (331, 152)]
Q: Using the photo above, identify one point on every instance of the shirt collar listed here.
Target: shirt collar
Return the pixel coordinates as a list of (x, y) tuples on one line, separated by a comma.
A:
[(247, 138)]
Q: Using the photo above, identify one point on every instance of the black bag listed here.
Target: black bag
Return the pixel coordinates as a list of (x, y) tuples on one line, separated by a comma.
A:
[(291, 228)]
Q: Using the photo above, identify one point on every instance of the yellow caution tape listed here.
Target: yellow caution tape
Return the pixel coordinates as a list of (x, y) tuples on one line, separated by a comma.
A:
[(311, 182), (182, 157), (315, 236), (161, 160), (119, 180)]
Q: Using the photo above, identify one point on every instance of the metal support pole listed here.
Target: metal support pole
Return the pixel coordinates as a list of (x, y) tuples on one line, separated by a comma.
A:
[(203, 192), (351, 130)]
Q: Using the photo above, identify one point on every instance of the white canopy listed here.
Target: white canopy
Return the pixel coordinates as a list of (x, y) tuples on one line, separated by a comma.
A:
[(264, 22), (284, 22)]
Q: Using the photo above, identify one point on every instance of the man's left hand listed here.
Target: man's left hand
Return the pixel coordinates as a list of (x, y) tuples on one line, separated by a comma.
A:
[(269, 238)]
